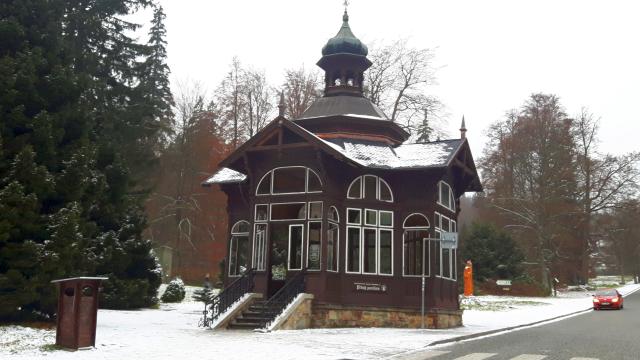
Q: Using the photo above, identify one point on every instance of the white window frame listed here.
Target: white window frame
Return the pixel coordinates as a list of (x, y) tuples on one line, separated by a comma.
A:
[(306, 181), (361, 188), (309, 210), (364, 218), (450, 195), (426, 263), (331, 208), (360, 216), (285, 203), (256, 252), (362, 250), (392, 221), (453, 227), (235, 233), (255, 213), (337, 246), (301, 248), (346, 241), (379, 252), (379, 182), (309, 243)]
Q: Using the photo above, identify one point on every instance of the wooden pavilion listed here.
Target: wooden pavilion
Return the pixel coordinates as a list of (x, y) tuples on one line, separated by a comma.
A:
[(339, 199)]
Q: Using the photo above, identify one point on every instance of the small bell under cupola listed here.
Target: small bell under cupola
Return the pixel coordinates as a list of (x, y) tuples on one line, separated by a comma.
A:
[(344, 60)]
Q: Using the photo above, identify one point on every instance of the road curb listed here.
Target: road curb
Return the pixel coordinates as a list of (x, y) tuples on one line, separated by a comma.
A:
[(495, 331)]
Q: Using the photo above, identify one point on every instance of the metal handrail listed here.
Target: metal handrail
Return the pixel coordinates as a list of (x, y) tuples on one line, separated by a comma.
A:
[(227, 297), (279, 301)]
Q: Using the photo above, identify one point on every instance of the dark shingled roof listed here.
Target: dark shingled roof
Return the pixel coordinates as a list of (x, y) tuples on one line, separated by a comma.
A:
[(344, 105)]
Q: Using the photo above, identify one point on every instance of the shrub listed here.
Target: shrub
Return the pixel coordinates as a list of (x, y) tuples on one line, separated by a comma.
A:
[(175, 291)]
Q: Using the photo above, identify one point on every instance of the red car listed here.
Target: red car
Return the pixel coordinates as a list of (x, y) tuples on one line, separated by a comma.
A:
[(610, 298)]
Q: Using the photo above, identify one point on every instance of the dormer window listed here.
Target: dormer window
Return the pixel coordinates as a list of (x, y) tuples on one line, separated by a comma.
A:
[(445, 196)]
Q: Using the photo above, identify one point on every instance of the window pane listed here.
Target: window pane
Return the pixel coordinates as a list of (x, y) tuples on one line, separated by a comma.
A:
[(446, 263), (262, 212), (454, 265), (385, 191), (239, 255), (259, 247), (444, 195), (332, 247), (264, 188), (416, 220), (446, 224), (370, 217), (314, 183), (437, 252), (289, 180), (386, 218), (353, 216), (240, 227), (370, 260), (313, 262), (370, 187), (385, 251), (291, 211), (413, 251), (295, 247), (315, 210), (355, 189), (353, 249), (333, 214)]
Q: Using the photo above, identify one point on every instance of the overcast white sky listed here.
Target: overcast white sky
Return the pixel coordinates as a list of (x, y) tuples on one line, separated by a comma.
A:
[(492, 54)]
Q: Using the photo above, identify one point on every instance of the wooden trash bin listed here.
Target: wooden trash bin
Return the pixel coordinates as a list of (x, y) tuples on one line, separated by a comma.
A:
[(77, 311)]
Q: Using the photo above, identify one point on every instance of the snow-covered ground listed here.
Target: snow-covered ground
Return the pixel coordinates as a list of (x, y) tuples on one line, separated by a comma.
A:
[(171, 332)]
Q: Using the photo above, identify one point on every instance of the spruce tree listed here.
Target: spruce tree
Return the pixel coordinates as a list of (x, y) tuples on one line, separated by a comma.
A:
[(75, 127)]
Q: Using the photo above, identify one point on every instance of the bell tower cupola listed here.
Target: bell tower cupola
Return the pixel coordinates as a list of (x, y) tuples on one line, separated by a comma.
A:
[(344, 61)]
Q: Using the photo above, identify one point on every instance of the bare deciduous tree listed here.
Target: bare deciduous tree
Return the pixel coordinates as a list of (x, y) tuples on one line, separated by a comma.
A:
[(399, 82), (605, 181), (301, 89)]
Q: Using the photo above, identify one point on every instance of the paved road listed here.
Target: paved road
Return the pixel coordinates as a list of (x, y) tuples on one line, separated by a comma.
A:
[(603, 335)]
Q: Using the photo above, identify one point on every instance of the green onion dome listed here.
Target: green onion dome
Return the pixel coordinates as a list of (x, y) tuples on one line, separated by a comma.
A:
[(345, 42)]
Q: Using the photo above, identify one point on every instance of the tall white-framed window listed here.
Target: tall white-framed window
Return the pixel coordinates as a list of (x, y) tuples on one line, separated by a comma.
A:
[(369, 241), (333, 239), (239, 248), (445, 251), (446, 197), (370, 187), (314, 245), (259, 246), (415, 245), (289, 180), (296, 241)]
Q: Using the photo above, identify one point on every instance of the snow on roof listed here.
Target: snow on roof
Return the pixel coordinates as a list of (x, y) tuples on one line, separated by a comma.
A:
[(406, 156), (224, 176)]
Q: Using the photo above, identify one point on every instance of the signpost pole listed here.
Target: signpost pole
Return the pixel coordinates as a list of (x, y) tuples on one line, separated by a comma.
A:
[(422, 302)]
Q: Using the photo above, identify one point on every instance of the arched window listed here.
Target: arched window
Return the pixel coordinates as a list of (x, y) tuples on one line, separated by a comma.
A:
[(239, 249), (445, 196), (289, 180), (370, 187), (415, 245), (333, 239)]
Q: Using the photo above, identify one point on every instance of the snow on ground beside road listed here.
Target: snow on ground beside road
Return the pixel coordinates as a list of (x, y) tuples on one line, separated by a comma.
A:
[(171, 332)]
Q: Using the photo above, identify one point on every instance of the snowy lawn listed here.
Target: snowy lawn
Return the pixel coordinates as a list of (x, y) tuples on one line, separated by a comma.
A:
[(171, 332)]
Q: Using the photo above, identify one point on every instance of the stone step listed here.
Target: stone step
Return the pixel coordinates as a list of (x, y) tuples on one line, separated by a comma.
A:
[(243, 326)]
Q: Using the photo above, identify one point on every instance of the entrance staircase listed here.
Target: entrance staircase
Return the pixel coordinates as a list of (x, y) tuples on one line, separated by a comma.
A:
[(263, 312)]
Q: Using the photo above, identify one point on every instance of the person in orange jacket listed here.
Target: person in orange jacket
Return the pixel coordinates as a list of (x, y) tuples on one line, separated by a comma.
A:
[(468, 279)]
